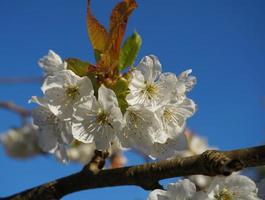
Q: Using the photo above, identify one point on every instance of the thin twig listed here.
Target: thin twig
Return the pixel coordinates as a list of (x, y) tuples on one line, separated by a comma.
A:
[(15, 108), (22, 112)]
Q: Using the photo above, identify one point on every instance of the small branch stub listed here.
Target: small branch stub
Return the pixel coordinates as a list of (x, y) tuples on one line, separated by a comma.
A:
[(96, 163)]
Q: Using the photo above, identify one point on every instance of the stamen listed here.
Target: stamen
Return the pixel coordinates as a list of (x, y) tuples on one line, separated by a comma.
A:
[(167, 115), (102, 119), (72, 92), (151, 91), (224, 195)]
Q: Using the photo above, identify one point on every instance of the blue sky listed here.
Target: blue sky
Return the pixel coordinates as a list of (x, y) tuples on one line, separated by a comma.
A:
[(222, 41)]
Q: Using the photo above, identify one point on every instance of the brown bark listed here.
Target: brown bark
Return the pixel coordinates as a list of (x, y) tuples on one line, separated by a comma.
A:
[(147, 176)]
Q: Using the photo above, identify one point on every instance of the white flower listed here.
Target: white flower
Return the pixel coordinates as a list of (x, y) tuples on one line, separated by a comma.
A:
[(177, 87), (157, 134), (261, 185), (143, 132), (173, 116), (142, 129), (158, 109), (52, 63), (54, 133), (232, 187), (145, 87), (62, 91), (182, 190), (21, 142), (98, 121)]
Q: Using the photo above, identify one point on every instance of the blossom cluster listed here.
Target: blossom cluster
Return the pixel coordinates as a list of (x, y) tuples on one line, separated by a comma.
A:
[(72, 108), (234, 187), (22, 143)]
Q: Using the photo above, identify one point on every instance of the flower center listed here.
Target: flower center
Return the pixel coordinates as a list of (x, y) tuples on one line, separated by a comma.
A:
[(224, 195), (72, 92), (167, 115), (151, 90), (102, 119)]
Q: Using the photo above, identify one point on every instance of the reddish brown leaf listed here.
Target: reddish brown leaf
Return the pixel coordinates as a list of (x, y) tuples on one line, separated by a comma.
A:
[(109, 43), (118, 23), (97, 33)]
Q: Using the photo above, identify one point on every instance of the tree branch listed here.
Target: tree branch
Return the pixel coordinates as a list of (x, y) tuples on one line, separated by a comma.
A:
[(15, 108), (147, 176), (22, 112)]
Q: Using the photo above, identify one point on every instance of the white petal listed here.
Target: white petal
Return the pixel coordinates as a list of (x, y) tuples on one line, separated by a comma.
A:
[(60, 80), (52, 131), (172, 147), (87, 127), (81, 134), (183, 189), (40, 101), (85, 107), (142, 130), (61, 154), (104, 138), (52, 63), (175, 88), (200, 196), (241, 187), (47, 140), (151, 67), (56, 90), (40, 116), (189, 81), (240, 184), (107, 98), (85, 87), (66, 134), (158, 195), (143, 123), (117, 119)]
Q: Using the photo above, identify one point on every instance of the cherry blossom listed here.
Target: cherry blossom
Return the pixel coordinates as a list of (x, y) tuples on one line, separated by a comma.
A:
[(53, 133), (62, 91), (21, 142), (182, 190), (145, 87), (173, 116), (232, 187), (52, 63), (99, 120)]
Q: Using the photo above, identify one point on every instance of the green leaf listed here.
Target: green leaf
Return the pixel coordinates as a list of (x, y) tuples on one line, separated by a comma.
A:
[(121, 91), (79, 67), (129, 50)]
